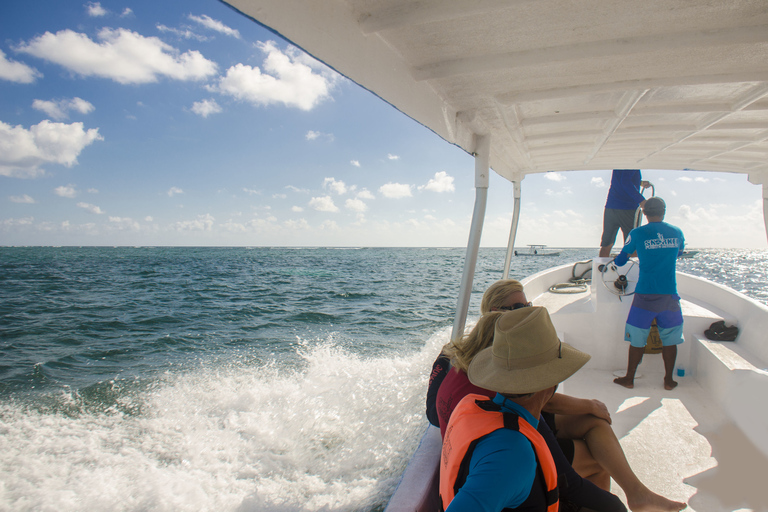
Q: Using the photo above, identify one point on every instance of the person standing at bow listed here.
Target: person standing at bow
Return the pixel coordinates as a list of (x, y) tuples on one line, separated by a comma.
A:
[(620, 207), (658, 246)]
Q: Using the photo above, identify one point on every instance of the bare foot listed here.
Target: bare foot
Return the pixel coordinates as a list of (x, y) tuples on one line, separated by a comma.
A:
[(669, 384), (626, 382), (651, 502)]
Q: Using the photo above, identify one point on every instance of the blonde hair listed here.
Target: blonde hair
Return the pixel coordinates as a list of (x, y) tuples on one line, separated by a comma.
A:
[(496, 294), (462, 351)]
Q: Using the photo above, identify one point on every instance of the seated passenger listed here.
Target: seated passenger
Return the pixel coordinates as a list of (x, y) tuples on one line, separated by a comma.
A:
[(582, 426)]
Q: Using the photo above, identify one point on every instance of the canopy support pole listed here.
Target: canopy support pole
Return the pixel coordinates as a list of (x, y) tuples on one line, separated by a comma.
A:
[(765, 208), (512, 230), (482, 168)]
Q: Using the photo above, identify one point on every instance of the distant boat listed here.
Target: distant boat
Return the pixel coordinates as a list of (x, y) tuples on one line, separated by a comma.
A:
[(537, 250), (688, 254)]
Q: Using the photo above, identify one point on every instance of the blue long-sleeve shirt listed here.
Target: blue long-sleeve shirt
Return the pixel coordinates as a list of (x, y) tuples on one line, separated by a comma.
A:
[(658, 246), (624, 193)]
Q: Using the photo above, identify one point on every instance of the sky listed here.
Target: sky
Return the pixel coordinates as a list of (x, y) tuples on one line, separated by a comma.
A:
[(148, 123)]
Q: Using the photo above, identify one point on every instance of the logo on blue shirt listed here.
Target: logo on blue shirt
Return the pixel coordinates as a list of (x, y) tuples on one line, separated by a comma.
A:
[(662, 243)]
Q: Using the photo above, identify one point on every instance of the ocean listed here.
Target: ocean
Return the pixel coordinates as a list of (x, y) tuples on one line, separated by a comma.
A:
[(234, 379)]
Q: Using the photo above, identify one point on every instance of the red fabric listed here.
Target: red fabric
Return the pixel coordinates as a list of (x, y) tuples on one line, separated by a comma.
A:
[(454, 387)]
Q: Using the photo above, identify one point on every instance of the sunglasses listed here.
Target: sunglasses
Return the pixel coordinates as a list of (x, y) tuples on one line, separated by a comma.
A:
[(516, 305)]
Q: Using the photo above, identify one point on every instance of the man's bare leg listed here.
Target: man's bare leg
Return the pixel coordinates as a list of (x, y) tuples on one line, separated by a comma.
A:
[(669, 355), (633, 361)]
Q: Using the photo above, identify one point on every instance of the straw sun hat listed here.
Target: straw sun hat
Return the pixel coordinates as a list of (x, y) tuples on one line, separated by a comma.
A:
[(526, 355)]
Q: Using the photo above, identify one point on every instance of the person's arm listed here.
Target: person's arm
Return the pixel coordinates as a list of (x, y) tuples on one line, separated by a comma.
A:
[(622, 258), (565, 404), (439, 370), (630, 188)]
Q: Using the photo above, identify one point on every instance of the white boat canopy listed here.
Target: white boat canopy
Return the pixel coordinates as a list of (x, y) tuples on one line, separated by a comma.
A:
[(557, 85), (533, 86)]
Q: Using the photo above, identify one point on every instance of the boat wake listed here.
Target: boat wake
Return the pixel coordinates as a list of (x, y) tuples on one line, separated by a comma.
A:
[(333, 433)]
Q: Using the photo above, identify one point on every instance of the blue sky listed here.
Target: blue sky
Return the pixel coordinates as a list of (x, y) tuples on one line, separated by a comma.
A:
[(185, 123)]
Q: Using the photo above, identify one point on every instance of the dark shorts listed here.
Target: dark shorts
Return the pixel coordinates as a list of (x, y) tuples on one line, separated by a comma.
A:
[(665, 309), (566, 445), (613, 220)]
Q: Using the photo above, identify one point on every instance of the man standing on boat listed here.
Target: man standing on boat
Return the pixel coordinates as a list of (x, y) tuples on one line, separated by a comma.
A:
[(493, 458), (623, 199), (658, 246)]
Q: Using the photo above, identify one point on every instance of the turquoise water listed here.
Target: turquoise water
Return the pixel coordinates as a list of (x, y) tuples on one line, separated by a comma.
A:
[(232, 378)]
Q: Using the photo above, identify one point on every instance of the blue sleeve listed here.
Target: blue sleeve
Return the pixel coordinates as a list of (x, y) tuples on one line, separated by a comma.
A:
[(501, 474), (631, 186), (629, 248)]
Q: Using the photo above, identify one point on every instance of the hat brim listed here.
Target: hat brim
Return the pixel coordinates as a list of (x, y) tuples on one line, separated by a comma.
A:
[(489, 372)]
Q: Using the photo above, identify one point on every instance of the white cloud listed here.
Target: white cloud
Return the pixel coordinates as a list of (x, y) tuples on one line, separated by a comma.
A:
[(314, 135), (598, 182), (14, 71), (395, 190), (206, 107), (125, 223), (336, 186), (174, 191), (365, 194), (296, 189), (297, 209), (123, 56), (701, 179), (59, 110), (201, 223), (323, 204), (25, 199), (216, 25), (356, 205), (66, 191), (298, 225), (126, 12), (440, 183), (181, 33), (684, 179), (95, 10), (555, 176), (286, 79), (93, 191), (279, 196), (91, 208), (393, 157), (252, 191), (565, 191), (148, 218), (23, 151), (329, 225), (356, 163)]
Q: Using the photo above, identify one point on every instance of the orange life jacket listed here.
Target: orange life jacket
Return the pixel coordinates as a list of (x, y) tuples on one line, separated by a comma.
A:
[(474, 417)]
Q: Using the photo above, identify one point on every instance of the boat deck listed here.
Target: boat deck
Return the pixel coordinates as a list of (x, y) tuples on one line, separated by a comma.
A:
[(677, 443)]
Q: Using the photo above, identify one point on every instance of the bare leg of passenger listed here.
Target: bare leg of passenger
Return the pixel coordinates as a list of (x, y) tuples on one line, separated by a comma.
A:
[(605, 251), (669, 355), (587, 467), (605, 449), (633, 361)]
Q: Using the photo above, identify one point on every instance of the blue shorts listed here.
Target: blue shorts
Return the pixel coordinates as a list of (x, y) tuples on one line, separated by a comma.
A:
[(669, 319)]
